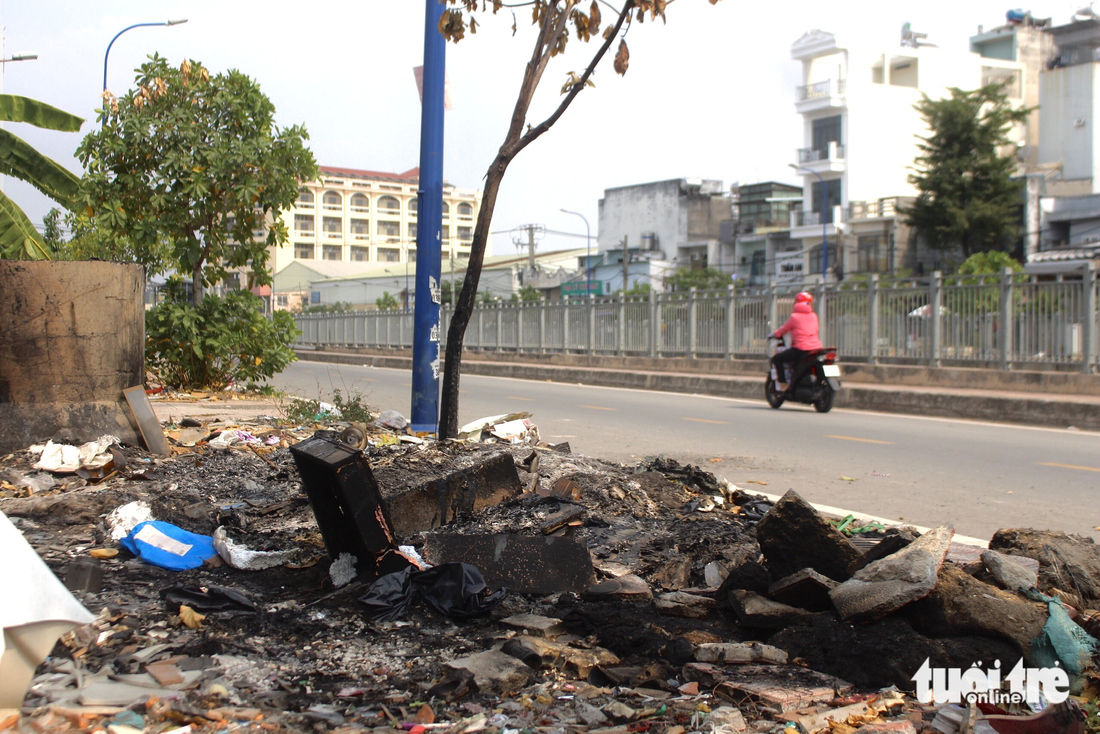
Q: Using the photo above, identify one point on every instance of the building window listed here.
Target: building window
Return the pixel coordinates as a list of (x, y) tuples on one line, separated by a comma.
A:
[(389, 204), (389, 255), (465, 234), (282, 301), (825, 131), (360, 203), (830, 200), (360, 254), (815, 258), (333, 224), (412, 231), (446, 232), (332, 252), (389, 229), (305, 198), (410, 254), (303, 223), (446, 209), (360, 227), (333, 200), (465, 211), (413, 206), (303, 251), (872, 256), (463, 255)]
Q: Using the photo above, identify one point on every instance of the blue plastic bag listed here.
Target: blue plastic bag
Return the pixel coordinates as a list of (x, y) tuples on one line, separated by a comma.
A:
[(165, 545)]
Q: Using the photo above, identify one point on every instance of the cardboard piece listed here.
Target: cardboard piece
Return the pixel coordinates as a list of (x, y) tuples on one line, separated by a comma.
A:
[(151, 431)]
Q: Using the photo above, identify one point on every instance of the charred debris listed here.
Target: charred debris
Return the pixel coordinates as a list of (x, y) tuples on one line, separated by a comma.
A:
[(371, 579)]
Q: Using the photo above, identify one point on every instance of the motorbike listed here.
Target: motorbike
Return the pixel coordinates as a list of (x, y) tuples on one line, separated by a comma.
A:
[(818, 380)]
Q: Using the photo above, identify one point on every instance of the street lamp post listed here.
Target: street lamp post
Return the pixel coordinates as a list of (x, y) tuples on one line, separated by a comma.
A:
[(824, 228), (136, 25), (588, 257)]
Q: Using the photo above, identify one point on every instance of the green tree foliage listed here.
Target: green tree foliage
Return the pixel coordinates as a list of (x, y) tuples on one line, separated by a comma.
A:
[(556, 21), (704, 279), (386, 302), (526, 293), (187, 166), (967, 196), (183, 350), (19, 240), (338, 307), (638, 289)]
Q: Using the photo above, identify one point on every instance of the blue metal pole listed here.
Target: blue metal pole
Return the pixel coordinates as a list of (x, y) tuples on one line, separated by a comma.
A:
[(429, 230), (129, 28)]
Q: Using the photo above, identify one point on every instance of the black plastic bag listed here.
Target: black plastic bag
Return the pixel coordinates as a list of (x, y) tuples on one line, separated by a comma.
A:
[(207, 598), (456, 590)]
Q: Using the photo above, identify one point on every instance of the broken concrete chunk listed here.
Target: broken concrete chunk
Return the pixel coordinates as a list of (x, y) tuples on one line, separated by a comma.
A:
[(749, 576), (1010, 573), (535, 624), (726, 718), (589, 714), (793, 536), (623, 588), (1058, 554), (524, 564), (682, 604), (739, 652), (784, 689), (813, 723), (892, 582), (482, 480), (961, 604), (890, 727), (494, 671), (754, 610), (537, 652), (806, 589)]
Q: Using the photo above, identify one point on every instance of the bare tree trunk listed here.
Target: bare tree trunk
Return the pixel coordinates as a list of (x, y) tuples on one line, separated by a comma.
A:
[(552, 25), (197, 290)]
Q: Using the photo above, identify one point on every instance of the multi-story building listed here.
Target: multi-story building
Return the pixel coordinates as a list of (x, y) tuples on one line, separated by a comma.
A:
[(756, 246), (860, 141), (679, 220), (370, 217)]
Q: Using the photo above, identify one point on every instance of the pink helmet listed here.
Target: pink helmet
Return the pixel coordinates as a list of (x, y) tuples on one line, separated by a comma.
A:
[(804, 297)]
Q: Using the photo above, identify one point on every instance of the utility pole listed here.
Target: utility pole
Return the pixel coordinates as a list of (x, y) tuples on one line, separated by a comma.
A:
[(531, 247), (626, 261)]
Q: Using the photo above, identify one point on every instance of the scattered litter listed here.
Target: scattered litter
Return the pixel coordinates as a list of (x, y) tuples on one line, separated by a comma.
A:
[(122, 520), (879, 474), (342, 570), (455, 590), (756, 481), (391, 419), (245, 559), (165, 545), (65, 459), (207, 598), (847, 479)]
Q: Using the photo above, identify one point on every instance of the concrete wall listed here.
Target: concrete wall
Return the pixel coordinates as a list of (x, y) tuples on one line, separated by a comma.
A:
[(72, 338), (676, 211), (1067, 116)]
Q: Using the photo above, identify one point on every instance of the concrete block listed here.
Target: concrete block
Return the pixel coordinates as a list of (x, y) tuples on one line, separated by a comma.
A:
[(754, 610), (889, 584), (525, 564), (739, 652), (1010, 574), (682, 604), (535, 624), (494, 671), (437, 497), (806, 589), (793, 536), (624, 588)]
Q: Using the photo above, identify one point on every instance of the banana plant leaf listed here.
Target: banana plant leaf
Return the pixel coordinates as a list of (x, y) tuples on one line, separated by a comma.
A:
[(19, 240), (19, 160), (14, 108)]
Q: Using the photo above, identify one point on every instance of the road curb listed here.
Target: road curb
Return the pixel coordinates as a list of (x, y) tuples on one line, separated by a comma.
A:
[(1046, 410)]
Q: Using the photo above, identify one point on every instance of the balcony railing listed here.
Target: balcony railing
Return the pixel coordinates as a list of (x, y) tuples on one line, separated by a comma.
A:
[(819, 90), (303, 205), (361, 236), (761, 224), (833, 152), (334, 235), (809, 219), (875, 209)]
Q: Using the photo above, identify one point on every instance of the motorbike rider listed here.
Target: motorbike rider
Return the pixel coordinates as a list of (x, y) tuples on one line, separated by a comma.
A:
[(804, 330)]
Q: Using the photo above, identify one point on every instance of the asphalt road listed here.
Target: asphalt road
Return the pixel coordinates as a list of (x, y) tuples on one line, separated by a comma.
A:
[(978, 476)]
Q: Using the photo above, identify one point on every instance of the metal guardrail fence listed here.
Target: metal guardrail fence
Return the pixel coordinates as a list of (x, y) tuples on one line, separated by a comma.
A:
[(1000, 322)]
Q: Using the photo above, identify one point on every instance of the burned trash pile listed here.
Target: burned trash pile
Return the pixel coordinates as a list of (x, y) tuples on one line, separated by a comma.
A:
[(499, 584)]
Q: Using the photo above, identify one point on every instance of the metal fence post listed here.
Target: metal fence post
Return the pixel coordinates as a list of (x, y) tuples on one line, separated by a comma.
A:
[(1006, 319), (542, 325), (591, 323), (500, 323), (519, 325), (565, 325), (730, 311), (622, 323), (654, 325), (773, 309), (822, 311), (1089, 346), (935, 306), (693, 323), (872, 320)]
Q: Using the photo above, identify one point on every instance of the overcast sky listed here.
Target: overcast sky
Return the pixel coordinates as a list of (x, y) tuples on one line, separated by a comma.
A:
[(710, 94)]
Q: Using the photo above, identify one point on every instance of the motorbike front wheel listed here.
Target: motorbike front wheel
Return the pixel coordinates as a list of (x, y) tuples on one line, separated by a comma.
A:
[(773, 396), (825, 403)]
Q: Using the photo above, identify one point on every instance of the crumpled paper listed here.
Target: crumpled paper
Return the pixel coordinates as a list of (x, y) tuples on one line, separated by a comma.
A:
[(243, 558), (62, 458)]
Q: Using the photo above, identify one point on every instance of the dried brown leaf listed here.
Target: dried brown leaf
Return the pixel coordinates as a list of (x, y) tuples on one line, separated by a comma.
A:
[(594, 18), (190, 617), (622, 59)]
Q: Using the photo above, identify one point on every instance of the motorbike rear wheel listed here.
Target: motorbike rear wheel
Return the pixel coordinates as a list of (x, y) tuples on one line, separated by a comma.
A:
[(825, 403), (773, 396)]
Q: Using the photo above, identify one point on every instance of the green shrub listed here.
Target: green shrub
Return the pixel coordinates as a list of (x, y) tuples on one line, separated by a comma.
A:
[(224, 340)]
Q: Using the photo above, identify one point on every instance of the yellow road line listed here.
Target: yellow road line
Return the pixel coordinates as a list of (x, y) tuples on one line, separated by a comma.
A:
[(514, 397), (1068, 466), (861, 440), (595, 407), (704, 420)]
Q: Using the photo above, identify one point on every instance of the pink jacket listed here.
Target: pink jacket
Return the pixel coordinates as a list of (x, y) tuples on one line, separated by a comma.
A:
[(803, 327)]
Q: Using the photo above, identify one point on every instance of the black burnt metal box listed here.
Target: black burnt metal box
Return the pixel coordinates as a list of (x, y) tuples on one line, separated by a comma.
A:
[(348, 506)]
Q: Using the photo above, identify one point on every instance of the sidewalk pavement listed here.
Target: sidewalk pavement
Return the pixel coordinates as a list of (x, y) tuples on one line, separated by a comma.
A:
[(1002, 406)]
